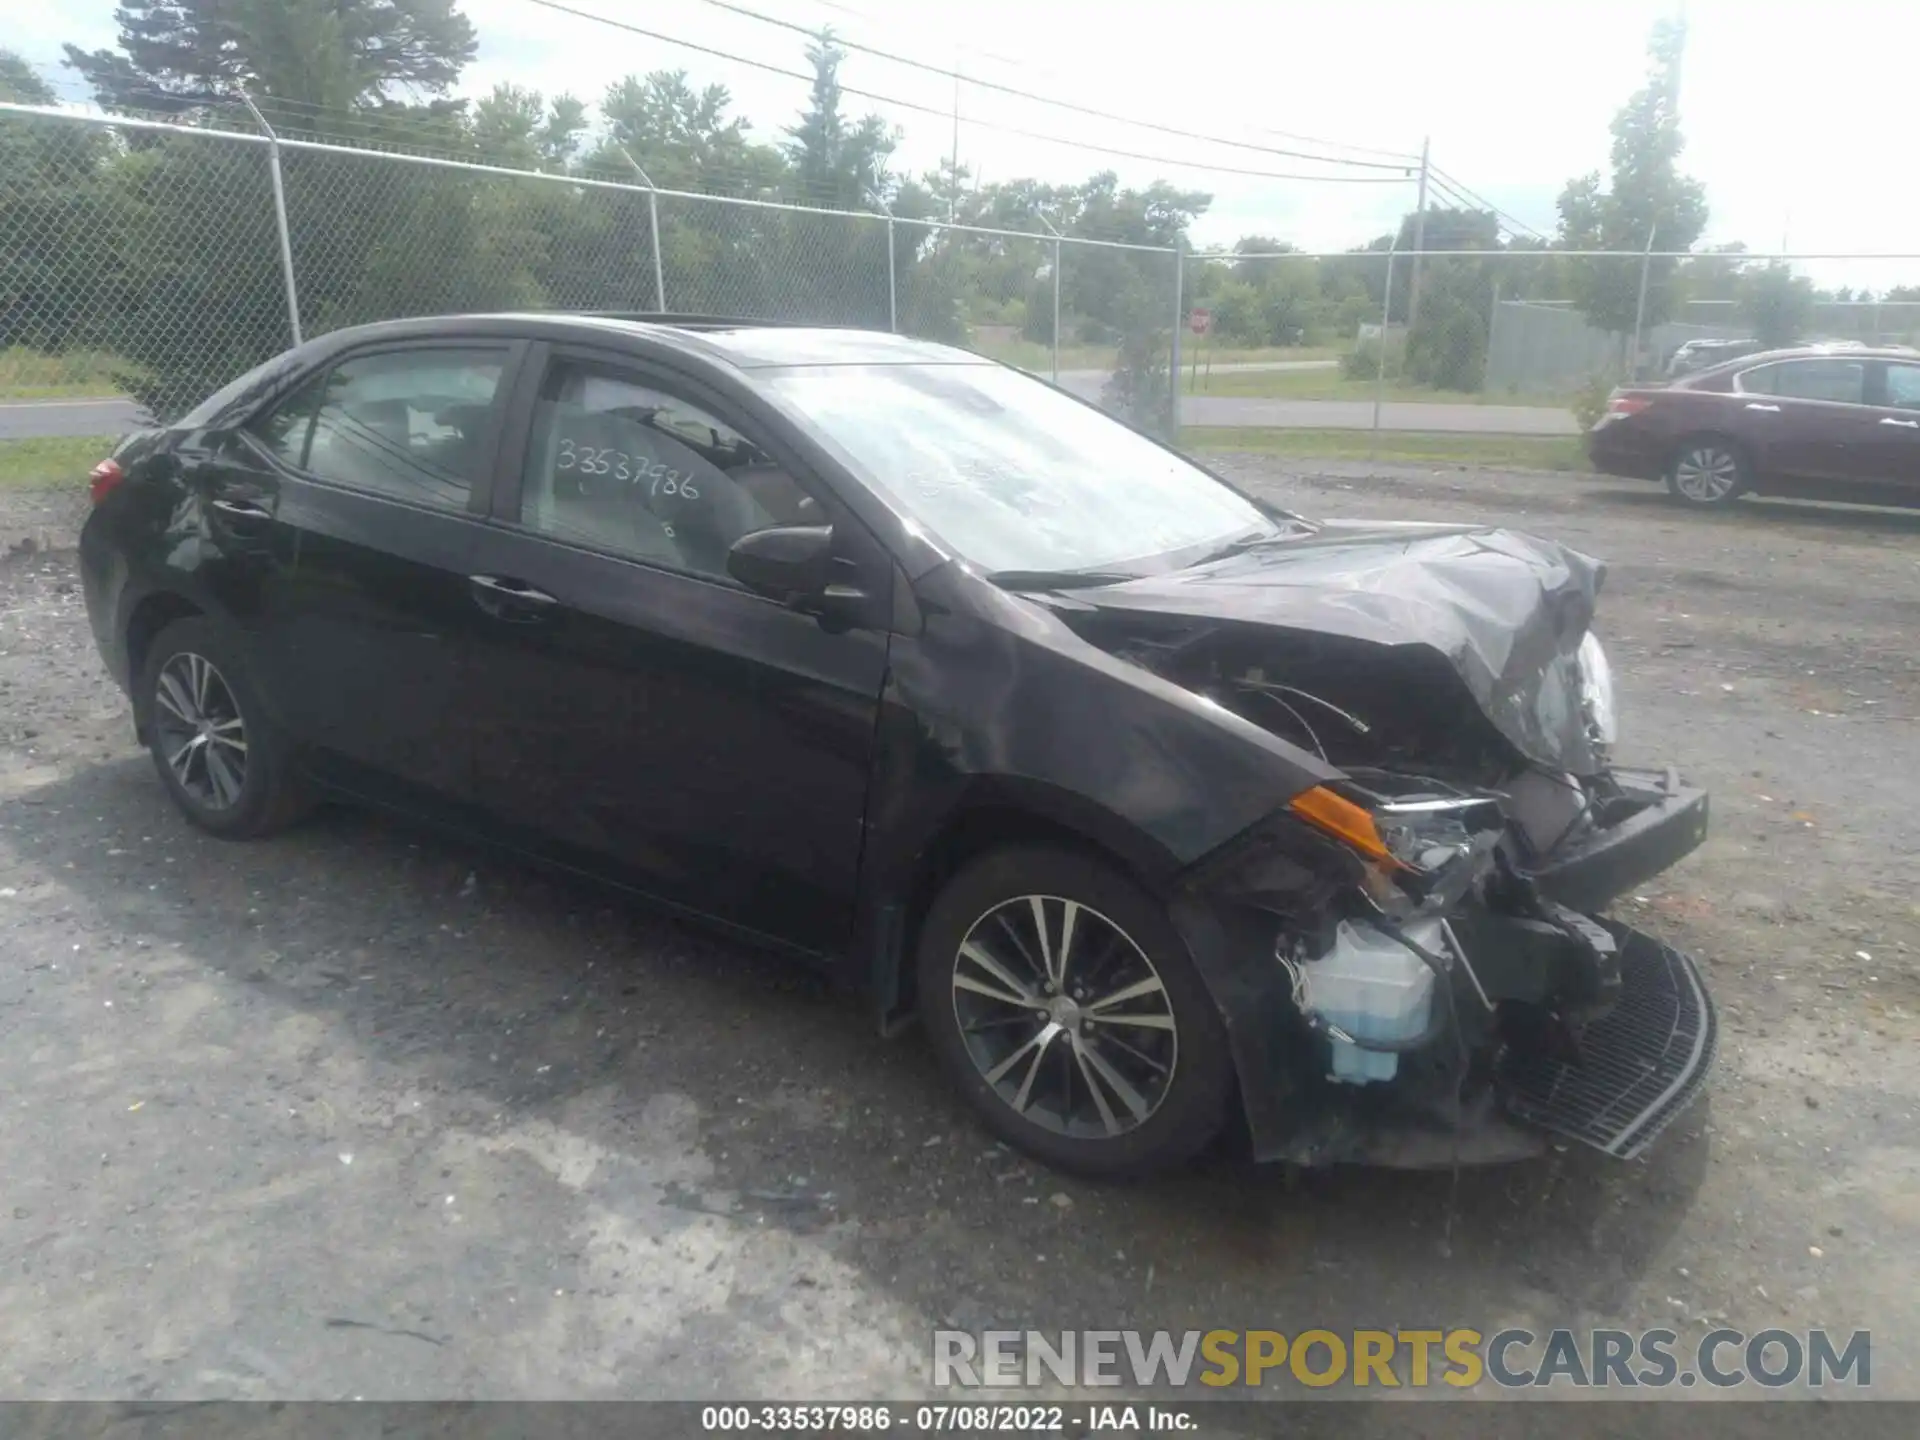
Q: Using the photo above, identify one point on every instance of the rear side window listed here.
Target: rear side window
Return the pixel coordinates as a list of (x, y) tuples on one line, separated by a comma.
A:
[(1903, 387), (409, 424), (1840, 381), (286, 428)]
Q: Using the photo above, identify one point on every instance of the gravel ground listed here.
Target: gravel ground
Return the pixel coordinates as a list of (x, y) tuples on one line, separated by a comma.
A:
[(359, 1113)]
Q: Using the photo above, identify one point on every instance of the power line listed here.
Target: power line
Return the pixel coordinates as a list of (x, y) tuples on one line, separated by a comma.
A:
[(1503, 225), (1486, 204), (1087, 110), (919, 108), (1024, 65)]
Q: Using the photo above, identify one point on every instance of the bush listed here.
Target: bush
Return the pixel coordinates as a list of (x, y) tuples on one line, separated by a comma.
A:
[(1448, 346), (1140, 390), (1591, 403), (1036, 320), (1363, 361)]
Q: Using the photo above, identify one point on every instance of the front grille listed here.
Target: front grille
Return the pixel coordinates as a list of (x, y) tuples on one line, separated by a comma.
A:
[(1638, 1065)]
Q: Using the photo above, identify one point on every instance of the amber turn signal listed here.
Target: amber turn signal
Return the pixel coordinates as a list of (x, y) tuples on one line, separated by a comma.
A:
[(1324, 810)]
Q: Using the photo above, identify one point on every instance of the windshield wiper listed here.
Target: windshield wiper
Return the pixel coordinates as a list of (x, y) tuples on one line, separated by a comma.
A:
[(1056, 579), (1253, 540)]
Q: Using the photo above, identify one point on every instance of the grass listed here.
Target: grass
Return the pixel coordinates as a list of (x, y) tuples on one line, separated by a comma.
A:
[(52, 462), (1039, 358), (1333, 385), (1496, 452), (76, 375)]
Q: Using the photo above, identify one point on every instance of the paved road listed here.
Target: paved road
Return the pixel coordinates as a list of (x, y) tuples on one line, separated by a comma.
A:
[(1240, 411), (32, 419), (1253, 412)]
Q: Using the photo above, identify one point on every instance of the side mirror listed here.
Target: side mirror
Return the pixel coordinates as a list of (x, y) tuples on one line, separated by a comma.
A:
[(789, 563)]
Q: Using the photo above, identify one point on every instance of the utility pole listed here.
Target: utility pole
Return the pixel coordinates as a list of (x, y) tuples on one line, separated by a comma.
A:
[(953, 159), (1419, 244)]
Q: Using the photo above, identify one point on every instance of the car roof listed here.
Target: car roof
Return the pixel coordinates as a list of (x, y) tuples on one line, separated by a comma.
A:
[(1849, 349), (745, 344)]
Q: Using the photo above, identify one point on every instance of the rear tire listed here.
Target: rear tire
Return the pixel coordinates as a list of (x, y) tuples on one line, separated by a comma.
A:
[(1091, 1043), (1708, 471), (227, 766)]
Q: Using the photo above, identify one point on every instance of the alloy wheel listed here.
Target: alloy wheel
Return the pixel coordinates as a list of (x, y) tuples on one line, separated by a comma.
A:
[(203, 738), (1065, 1017), (1706, 474)]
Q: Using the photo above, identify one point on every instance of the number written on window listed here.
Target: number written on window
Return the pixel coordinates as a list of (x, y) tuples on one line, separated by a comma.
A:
[(656, 476)]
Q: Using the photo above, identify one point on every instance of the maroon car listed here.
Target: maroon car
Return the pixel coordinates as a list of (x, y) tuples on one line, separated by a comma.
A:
[(1834, 422)]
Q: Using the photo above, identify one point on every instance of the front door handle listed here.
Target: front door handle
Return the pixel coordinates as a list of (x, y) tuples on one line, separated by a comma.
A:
[(507, 599), (1756, 405), (244, 510), (1901, 424)]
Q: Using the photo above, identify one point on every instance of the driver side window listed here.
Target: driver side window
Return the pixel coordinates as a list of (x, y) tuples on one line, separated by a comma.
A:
[(617, 464)]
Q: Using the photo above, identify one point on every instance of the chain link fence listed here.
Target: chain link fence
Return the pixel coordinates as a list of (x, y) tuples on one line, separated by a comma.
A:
[(144, 263)]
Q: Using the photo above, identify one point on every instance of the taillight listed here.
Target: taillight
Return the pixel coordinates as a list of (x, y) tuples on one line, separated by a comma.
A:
[(104, 479), (1627, 404)]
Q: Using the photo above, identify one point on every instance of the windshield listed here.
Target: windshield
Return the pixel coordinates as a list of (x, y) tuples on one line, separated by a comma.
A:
[(1010, 473)]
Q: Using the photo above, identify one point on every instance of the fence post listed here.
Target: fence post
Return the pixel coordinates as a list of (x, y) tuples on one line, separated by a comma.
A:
[(1380, 369), (893, 289), (1640, 306), (1493, 330), (1054, 231), (1419, 239), (653, 232), (279, 217), (1179, 322)]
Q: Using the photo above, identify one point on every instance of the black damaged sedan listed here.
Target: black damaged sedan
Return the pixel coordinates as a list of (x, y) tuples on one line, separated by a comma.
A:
[(1161, 808)]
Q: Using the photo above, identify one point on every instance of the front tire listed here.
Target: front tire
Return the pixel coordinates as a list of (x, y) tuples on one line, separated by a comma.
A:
[(1063, 1004), (1708, 471), (223, 761)]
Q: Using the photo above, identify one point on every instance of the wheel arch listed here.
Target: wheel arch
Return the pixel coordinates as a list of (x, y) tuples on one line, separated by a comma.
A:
[(995, 817), (151, 614)]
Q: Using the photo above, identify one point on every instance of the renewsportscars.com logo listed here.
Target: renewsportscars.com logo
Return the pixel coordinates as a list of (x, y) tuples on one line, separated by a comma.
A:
[(1393, 1359)]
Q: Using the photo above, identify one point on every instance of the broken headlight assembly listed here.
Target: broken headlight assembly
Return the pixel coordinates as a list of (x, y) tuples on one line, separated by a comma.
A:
[(1596, 691), (1420, 852)]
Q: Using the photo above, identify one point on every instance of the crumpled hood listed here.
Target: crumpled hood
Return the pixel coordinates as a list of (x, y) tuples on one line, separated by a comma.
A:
[(1506, 609)]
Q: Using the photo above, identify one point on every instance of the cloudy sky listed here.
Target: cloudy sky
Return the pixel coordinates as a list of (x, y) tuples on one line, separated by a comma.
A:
[(1796, 113)]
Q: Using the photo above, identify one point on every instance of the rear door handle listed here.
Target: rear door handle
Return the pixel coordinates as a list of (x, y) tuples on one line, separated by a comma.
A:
[(1902, 424), (508, 599), (1756, 405)]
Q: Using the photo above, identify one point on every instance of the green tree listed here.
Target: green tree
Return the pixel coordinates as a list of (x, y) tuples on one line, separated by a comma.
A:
[(198, 295), (1776, 303), (50, 297), (685, 139), (327, 55), (1447, 338), (1647, 196), (516, 127), (20, 84), (837, 164)]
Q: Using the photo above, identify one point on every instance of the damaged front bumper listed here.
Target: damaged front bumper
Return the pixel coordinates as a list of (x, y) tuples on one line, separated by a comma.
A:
[(1632, 1069), (1613, 1081), (1665, 821), (1545, 1021)]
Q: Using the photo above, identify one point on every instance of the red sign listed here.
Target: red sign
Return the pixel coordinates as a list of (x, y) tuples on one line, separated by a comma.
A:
[(1199, 321)]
